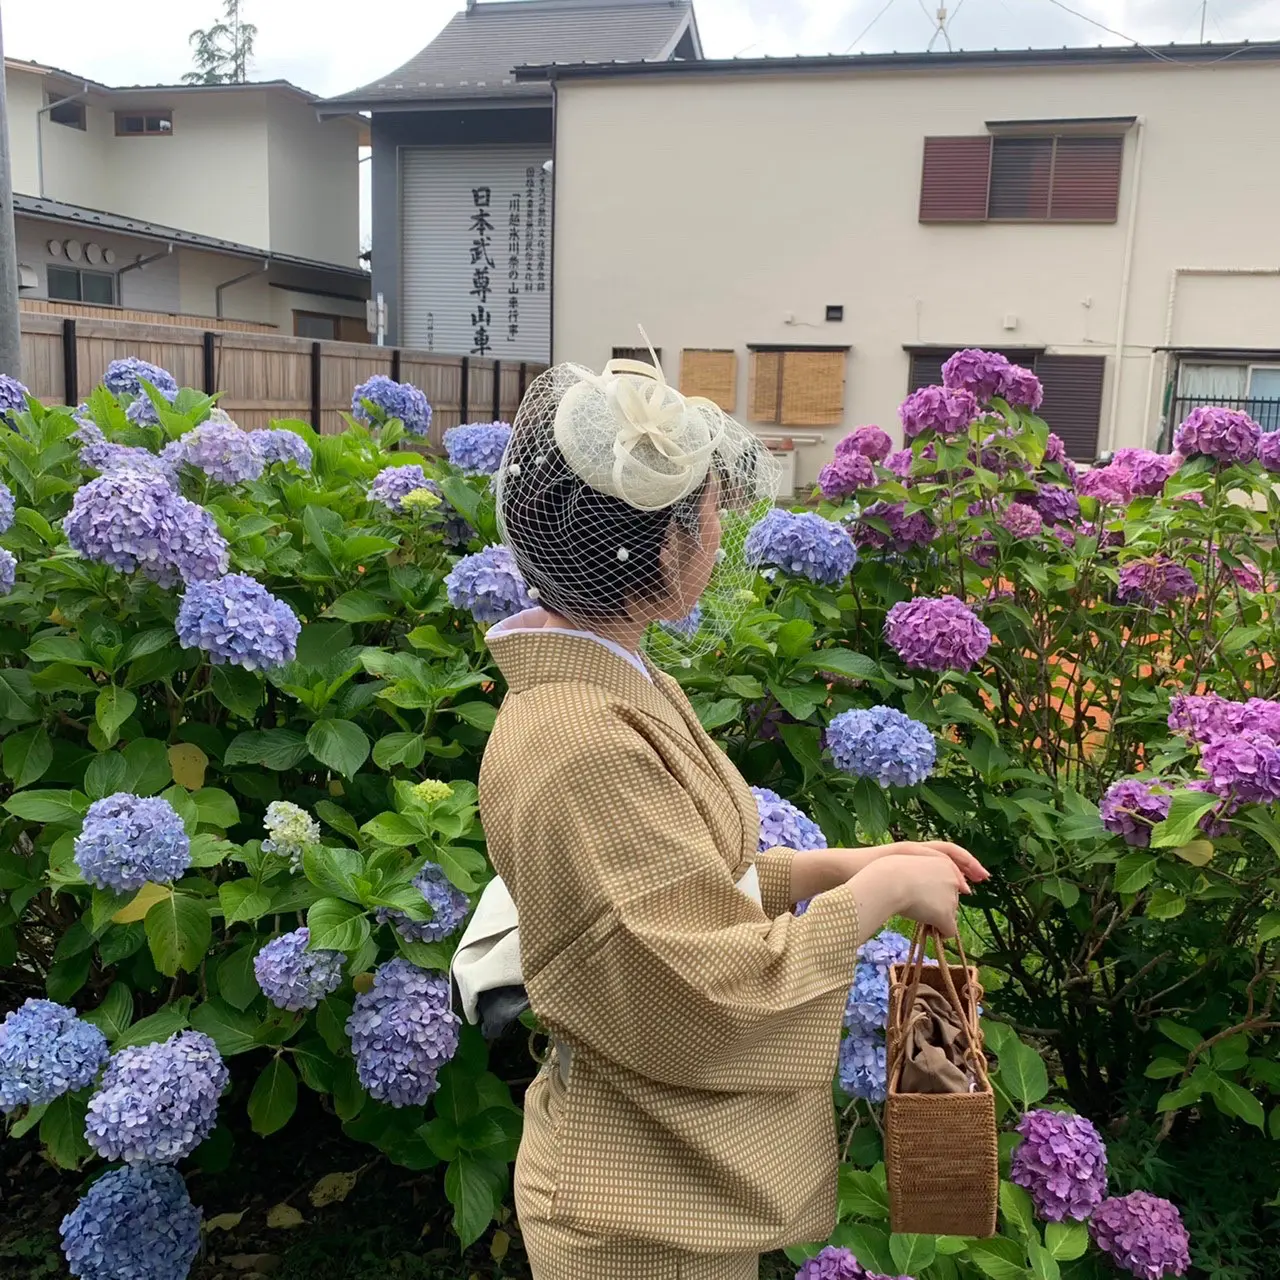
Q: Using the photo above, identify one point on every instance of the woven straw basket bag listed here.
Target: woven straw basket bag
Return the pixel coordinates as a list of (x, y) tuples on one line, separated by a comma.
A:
[(941, 1156)]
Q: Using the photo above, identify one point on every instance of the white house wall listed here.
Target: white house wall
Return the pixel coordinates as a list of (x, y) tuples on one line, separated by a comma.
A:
[(755, 199)]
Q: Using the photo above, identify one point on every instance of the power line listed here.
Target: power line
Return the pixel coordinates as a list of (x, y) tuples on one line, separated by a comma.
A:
[(1146, 48), (862, 35)]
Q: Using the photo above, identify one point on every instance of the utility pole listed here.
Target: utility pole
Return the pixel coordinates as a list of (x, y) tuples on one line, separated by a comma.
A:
[(10, 335)]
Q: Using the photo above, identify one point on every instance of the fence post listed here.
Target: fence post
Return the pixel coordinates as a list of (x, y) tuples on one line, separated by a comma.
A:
[(524, 381), (317, 358), (70, 364), (497, 390), (395, 364), (464, 408), (210, 364)]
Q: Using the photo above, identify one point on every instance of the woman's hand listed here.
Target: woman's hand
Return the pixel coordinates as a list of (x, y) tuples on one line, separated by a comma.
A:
[(923, 887), (969, 867), (818, 870)]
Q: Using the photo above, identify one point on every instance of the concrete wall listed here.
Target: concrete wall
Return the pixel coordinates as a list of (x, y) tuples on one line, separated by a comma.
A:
[(776, 196)]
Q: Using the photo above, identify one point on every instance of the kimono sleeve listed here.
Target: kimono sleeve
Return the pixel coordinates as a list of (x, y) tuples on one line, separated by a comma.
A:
[(679, 976)]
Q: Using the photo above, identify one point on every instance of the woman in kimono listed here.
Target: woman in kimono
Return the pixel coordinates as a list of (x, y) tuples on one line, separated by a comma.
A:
[(683, 1122)]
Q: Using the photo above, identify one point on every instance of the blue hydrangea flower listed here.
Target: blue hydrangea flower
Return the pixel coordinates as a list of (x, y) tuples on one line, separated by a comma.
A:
[(390, 399), (100, 454), (236, 619), (477, 447), (783, 825), (402, 1032), (46, 1051), (862, 1068), (125, 378), (142, 413), (157, 1102), (867, 1008), (218, 448), (488, 585), (882, 744), (6, 506), (127, 841), (687, 627), (289, 831), (449, 907), (391, 484), (803, 544), (8, 571), (277, 445), (13, 395), (135, 1223), (292, 977), (134, 521)]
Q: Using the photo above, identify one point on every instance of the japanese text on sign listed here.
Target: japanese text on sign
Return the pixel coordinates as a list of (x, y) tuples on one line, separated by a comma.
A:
[(481, 265)]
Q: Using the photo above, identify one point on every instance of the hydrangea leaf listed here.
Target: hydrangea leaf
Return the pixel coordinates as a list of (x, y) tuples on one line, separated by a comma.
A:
[(114, 706), (340, 745), (179, 932), (189, 765), (274, 1097), (27, 756), (62, 1131), (1067, 1241), (141, 903)]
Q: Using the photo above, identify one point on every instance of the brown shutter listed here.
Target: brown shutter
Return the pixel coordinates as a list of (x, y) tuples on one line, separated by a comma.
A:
[(926, 371), (1073, 400), (813, 388), (764, 395), (1020, 175), (953, 187), (1086, 179), (712, 375)]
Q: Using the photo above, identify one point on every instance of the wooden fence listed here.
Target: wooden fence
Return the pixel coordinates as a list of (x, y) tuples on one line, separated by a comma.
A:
[(264, 376), (88, 310)]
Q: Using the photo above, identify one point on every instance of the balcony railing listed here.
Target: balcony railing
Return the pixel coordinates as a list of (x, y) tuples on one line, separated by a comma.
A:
[(1265, 412)]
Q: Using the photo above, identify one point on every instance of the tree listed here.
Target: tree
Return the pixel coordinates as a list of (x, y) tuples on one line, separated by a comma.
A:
[(222, 52)]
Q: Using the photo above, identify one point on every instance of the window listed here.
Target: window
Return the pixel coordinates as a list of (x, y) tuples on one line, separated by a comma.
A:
[(712, 375), (66, 111), (1253, 388), (639, 354), (1072, 390), (66, 284), (1019, 177), (149, 124), (309, 324), (798, 386)]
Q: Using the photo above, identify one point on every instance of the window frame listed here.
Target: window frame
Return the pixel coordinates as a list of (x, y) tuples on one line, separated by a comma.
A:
[(779, 416), (80, 273), (54, 101), (333, 318), (1055, 139), (163, 117)]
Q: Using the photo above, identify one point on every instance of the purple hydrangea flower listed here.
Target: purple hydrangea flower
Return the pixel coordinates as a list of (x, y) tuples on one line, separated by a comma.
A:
[(1062, 1162), (13, 396), (1021, 388), (135, 1223), (1155, 580), (449, 907), (292, 977), (1149, 472), (390, 399), (391, 484), (477, 447), (937, 409), (1245, 576), (1109, 485), (1269, 450), (1143, 1234), (1225, 435), (867, 1008), (1055, 450), (1065, 534), (402, 1032), (488, 585), (844, 475), (861, 1068), (1132, 807), (125, 378), (783, 825), (1205, 716), (981, 373), (236, 619), (936, 634), (46, 1051), (905, 531), (6, 507), (899, 463), (133, 521), (100, 454), (220, 449), (157, 1102), (1260, 715), (1243, 766), (8, 571), (802, 544), (838, 1264), (1056, 504), (870, 442), (882, 744), (277, 445), (1021, 520), (128, 841)]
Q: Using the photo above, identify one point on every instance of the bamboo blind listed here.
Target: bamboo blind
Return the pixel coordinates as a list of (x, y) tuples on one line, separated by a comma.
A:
[(765, 390), (712, 375), (812, 393), (84, 310)]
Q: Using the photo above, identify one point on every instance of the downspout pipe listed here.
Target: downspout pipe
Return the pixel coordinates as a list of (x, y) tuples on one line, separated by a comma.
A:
[(1126, 275), (40, 115), (226, 284), (166, 252)]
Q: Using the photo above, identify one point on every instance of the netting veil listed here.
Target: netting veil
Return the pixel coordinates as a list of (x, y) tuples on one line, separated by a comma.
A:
[(609, 495)]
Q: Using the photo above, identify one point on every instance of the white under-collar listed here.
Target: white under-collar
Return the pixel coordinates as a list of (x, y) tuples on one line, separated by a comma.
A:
[(532, 621)]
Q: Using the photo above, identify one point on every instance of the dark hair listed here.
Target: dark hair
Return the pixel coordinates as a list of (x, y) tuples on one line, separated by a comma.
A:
[(566, 536)]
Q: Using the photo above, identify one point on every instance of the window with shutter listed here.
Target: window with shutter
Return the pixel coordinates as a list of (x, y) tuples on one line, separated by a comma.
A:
[(953, 187), (799, 386), (1021, 171), (639, 354), (712, 375), (1086, 179)]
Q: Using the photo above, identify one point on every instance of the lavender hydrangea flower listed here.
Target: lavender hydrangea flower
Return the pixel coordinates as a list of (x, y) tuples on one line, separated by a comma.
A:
[(905, 531), (1143, 1234), (1243, 766), (157, 1102), (99, 454), (1021, 520), (1260, 715), (402, 1032), (940, 409), (844, 475), (135, 1223), (867, 1008), (143, 413), (1205, 716), (278, 446), (882, 744), (1226, 435), (449, 907), (861, 1067), (290, 830), (13, 396), (134, 521), (1056, 504), (292, 977), (871, 442), (803, 544), (899, 462), (936, 634), (1131, 808), (393, 484), (390, 400), (6, 507), (8, 571), (46, 1051), (220, 449), (488, 585), (236, 619), (125, 378), (1269, 450), (783, 825), (1154, 581), (477, 447), (1062, 1162), (128, 841), (838, 1264), (1110, 485)]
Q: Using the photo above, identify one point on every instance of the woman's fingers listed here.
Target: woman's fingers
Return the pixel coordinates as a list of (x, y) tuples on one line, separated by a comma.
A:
[(962, 858)]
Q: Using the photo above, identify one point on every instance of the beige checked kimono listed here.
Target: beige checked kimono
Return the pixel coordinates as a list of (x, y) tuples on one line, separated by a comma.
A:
[(703, 1031)]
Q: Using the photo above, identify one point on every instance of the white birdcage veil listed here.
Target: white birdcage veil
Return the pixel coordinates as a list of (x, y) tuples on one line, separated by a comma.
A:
[(602, 497)]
